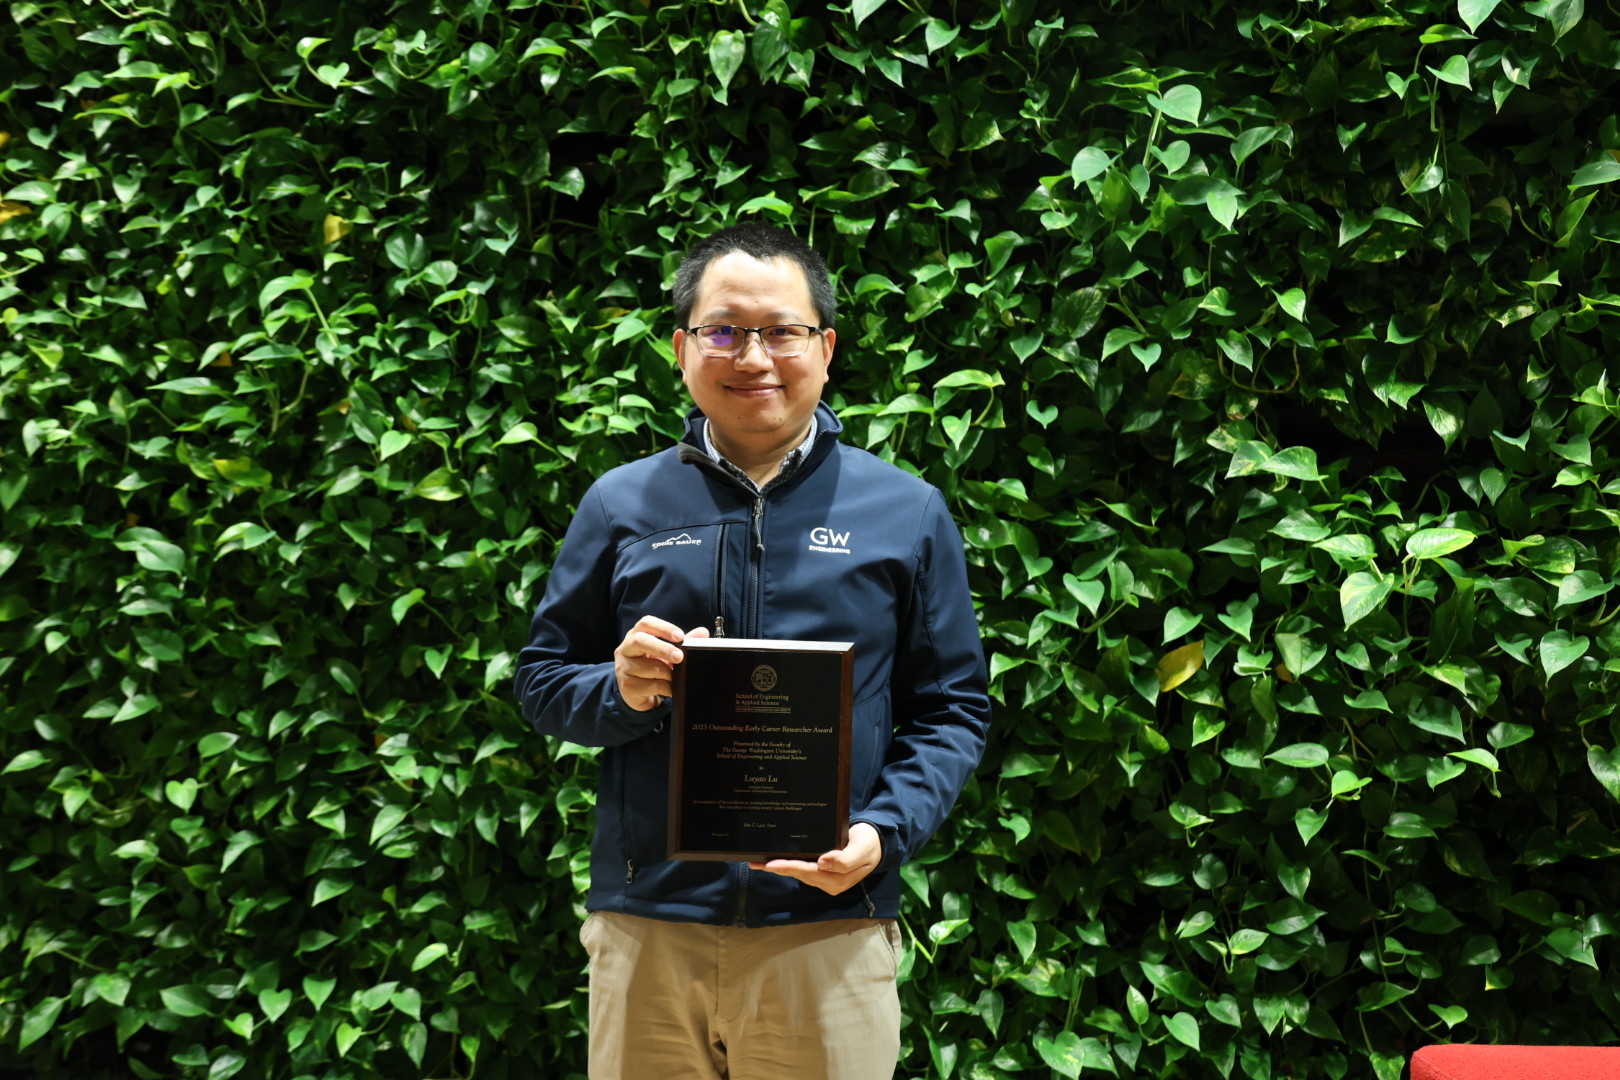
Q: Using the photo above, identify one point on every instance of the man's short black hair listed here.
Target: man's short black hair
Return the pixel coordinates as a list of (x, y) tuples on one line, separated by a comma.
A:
[(761, 242)]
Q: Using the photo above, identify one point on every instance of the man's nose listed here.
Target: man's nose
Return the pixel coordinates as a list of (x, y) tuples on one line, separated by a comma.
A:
[(753, 351)]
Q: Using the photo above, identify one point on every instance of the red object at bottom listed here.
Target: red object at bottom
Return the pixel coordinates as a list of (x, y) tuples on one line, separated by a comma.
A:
[(1475, 1062)]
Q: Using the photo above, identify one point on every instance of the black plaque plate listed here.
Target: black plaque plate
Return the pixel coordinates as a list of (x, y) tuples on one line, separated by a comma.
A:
[(759, 752)]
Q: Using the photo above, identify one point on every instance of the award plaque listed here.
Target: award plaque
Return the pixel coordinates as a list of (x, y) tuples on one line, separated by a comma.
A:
[(759, 750)]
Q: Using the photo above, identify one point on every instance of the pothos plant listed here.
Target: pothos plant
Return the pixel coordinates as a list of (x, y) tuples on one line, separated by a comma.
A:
[(1262, 352)]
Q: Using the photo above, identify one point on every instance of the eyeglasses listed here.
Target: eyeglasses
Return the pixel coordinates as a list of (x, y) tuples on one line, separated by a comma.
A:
[(784, 339)]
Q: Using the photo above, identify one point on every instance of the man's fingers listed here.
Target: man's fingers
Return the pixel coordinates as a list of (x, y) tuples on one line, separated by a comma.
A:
[(640, 644), (807, 872), (644, 666), (645, 659), (835, 862)]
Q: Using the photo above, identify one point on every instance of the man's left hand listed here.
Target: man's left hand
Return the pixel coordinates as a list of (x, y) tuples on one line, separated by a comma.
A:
[(837, 870)]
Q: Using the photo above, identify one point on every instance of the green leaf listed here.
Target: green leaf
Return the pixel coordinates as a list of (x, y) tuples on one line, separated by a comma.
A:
[(402, 606), (347, 1036), (863, 9), (112, 987), (1300, 755), (970, 377), (428, 955), (387, 819), (1605, 170), (38, 1021), (1089, 164), (1407, 826), (1570, 943), (416, 1043), (1350, 546), (182, 793), (1061, 1054), (156, 554), (937, 34), (216, 743), (1483, 758), (32, 191), (275, 288), (1252, 139), (1293, 302), (1562, 15), (1559, 649), (1022, 933), (1381, 995), (187, 1000), (1362, 594), (228, 1064), (1436, 543), (1605, 765), (1309, 821), (522, 431), (1504, 735), (1454, 71), (1184, 103), (318, 990), (274, 1003), (1474, 12), (1452, 1015), (28, 759), (524, 331), (440, 485), (1184, 1027), (328, 889), (237, 846), (1179, 621), (727, 50), (392, 443)]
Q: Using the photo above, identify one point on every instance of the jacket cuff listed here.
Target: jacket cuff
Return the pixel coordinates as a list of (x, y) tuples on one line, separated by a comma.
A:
[(889, 838)]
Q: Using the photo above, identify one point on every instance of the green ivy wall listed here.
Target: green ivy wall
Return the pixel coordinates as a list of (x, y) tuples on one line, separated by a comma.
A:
[(1263, 351)]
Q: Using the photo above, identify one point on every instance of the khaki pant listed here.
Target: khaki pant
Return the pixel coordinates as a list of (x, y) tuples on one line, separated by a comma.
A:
[(687, 1001)]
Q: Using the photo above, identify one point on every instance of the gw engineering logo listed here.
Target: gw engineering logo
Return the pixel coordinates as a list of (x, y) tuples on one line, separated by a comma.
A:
[(824, 539), (682, 540)]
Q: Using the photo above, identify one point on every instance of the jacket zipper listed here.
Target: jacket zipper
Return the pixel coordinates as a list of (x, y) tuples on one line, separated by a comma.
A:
[(720, 585), (742, 895), (624, 822), (754, 568)]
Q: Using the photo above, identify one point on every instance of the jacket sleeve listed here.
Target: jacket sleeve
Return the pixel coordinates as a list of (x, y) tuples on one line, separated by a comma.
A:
[(940, 693), (564, 679)]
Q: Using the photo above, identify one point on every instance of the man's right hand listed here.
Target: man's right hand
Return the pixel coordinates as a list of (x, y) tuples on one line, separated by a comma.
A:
[(645, 660)]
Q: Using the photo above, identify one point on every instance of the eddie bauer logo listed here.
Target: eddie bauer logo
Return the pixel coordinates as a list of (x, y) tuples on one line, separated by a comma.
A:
[(682, 539), (824, 539)]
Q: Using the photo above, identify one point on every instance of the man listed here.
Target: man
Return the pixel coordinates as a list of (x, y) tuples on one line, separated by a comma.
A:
[(759, 524)]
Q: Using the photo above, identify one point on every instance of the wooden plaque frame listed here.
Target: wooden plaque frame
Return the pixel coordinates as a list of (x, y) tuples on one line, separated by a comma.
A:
[(760, 749)]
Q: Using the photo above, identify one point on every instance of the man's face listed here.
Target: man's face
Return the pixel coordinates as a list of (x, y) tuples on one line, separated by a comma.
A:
[(757, 403)]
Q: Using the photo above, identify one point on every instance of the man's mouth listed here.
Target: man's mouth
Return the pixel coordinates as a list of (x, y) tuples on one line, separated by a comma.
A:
[(753, 390)]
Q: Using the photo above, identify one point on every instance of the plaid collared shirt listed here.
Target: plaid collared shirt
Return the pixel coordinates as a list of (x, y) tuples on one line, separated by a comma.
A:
[(790, 464)]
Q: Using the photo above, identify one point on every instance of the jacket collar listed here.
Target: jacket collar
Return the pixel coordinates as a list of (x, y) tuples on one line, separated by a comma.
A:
[(828, 427)]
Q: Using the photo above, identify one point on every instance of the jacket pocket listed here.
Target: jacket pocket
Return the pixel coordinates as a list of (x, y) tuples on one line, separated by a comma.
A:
[(871, 731)]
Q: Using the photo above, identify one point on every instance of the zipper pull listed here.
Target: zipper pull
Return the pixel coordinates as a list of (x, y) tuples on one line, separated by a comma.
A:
[(759, 512), (719, 626), (630, 871)]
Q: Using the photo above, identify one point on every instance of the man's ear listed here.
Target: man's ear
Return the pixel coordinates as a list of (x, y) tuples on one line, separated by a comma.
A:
[(676, 342), (829, 338)]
